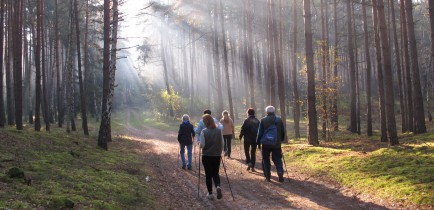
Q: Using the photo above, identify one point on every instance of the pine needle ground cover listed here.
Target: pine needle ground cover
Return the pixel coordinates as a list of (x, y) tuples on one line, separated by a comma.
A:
[(402, 174), (68, 170)]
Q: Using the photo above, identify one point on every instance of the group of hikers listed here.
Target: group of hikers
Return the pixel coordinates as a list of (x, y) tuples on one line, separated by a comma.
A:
[(214, 137)]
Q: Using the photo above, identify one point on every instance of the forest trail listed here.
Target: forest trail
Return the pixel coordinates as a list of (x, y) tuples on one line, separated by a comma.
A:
[(176, 188)]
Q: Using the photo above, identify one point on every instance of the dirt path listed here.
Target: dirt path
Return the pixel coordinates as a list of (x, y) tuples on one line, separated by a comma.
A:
[(177, 189)]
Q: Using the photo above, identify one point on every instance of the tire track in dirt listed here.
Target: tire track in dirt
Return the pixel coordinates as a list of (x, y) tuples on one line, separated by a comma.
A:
[(177, 188)]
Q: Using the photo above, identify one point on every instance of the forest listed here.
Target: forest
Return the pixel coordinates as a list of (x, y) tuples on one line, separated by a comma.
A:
[(92, 93)]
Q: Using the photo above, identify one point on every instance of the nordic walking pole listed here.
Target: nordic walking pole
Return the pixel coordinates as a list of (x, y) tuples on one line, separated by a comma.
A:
[(241, 159), (198, 180), (287, 174), (223, 162)]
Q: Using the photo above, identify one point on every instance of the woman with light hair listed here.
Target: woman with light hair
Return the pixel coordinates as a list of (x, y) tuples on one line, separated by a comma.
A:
[(185, 138), (228, 131)]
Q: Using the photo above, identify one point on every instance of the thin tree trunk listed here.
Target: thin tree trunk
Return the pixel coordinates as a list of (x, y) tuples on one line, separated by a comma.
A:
[(9, 76), (380, 79), (226, 62), (44, 70), (352, 64), (407, 69), (399, 70), (368, 72), (296, 97), (80, 77), (217, 67), (312, 114), (334, 111), (2, 20), (324, 74), (18, 64), (104, 135), (419, 114), (38, 88), (60, 105)]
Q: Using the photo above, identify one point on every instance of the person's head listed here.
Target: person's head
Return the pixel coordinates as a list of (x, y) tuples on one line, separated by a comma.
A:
[(207, 111), (208, 121), (270, 109), (250, 111), (185, 118), (225, 115)]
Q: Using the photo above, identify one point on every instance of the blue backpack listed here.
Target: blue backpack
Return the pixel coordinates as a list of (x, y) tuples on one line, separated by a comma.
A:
[(270, 134)]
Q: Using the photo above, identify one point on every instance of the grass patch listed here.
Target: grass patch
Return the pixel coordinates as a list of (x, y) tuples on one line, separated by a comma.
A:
[(402, 173), (68, 170)]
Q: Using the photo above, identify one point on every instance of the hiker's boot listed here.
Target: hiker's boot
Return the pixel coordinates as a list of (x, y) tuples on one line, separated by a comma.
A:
[(253, 169), (249, 165), (183, 166), (210, 196), (219, 193), (280, 177)]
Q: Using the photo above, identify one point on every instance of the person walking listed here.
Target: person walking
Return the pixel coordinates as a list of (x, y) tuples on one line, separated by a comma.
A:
[(211, 143), (249, 130), (228, 132), (271, 133), (185, 138), (201, 125)]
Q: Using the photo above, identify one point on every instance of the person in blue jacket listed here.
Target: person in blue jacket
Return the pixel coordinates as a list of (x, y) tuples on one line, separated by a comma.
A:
[(185, 138), (275, 150), (201, 125)]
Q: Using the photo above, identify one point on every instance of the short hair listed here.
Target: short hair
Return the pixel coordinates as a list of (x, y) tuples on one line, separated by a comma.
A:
[(209, 121), (270, 109), (250, 111), (225, 112), (185, 117), (207, 111)]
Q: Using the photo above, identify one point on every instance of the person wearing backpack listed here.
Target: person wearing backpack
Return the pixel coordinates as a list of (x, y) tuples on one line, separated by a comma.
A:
[(249, 130), (185, 138), (271, 133)]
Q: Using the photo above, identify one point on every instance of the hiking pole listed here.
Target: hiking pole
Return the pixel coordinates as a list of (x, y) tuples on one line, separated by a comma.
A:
[(284, 162), (223, 162), (198, 180), (194, 153), (241, 159)]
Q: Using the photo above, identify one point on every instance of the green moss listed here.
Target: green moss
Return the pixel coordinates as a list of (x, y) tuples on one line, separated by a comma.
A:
[(398, 173)]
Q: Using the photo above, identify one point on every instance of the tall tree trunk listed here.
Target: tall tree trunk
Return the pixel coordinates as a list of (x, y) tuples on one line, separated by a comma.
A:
[(398, 70), (312, 115), (271, 56), (279, 69), (419, 114), (18, 64), (334, 111), (104, 135), (431, 22), (80, 78), (250, 68), (9, 76), (192, 71), (368, 72), (324, 74), (2, 20), (225, 59), (352, 64), (296, 97), (44, 70), (59, 92), (381, 100), (38, 88), (407, 69), (216, 56)]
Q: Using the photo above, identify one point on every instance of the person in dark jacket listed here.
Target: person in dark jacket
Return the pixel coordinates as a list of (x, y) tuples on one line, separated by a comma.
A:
[(275, 150), (249, 130), (185, 138)]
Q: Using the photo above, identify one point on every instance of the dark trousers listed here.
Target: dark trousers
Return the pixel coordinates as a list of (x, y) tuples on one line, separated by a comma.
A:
[(227, 139), (250, 157), (212, 166), (276, 156)]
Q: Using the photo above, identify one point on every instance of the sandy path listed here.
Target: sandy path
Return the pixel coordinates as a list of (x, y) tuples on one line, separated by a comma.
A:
[(177, 188)]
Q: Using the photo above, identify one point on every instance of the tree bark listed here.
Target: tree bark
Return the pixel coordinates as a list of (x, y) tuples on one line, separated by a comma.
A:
[(225, 59), (2, 20), (419, 114), (368, 72), (104, 135), (312, 115), (407, 69), (18, 64), (353, 97), (296, 97), (334, 112), (80, 77)]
